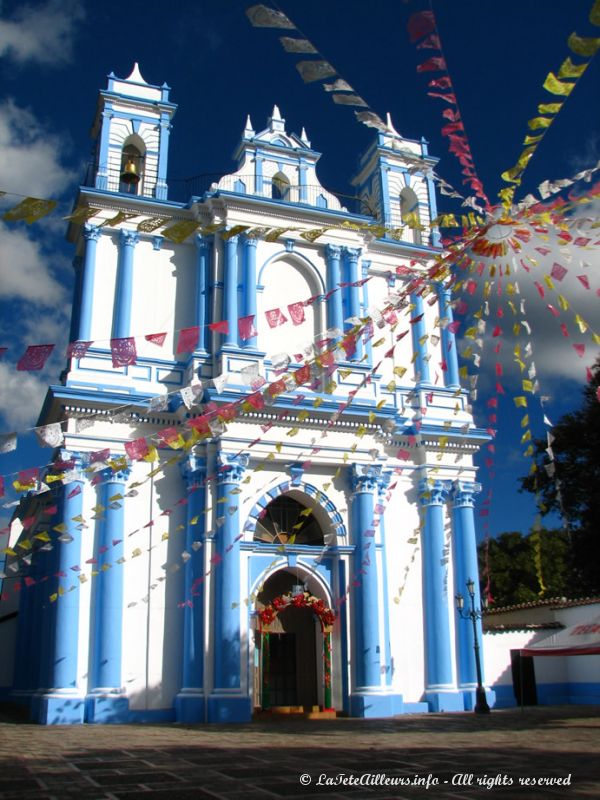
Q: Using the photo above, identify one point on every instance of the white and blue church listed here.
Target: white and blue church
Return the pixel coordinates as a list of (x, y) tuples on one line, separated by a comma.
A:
[(299, 514)]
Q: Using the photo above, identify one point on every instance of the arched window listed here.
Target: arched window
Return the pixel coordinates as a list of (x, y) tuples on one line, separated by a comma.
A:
[(409, 213), (280, 187), (131, 174), (283, 523)]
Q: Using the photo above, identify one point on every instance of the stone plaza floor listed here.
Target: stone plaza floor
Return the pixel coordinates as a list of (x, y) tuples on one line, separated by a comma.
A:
[(555, 750)]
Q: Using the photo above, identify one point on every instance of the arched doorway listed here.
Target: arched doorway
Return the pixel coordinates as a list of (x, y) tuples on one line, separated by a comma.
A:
[(293, 644)]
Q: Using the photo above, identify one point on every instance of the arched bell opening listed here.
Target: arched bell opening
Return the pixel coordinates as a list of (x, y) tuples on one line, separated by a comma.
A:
[(280, 187), (131, 174), (292, 645), (409, 213)]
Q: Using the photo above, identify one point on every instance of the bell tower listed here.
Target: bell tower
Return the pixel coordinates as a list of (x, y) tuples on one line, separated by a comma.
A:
[(131, 130)]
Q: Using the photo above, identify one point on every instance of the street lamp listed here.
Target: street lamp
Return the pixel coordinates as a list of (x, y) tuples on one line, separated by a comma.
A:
[(481, 705)]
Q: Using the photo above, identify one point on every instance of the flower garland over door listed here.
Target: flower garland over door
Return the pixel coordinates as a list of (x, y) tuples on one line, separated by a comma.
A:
[(326, 617)]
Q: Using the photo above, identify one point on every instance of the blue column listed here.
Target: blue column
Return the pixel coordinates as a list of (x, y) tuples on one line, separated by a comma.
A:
[(449, 354), (91, 235), (228, 701), (249, 283), (230, 280), (64, 703), (124, 287), (190, 702), (354, 307), (203, 271), (258, 174), (440, 691), (419, 329), (369, 696), (382, 485), (76, 307), (335, 317), (303, 197), (106, 701), (466, 567), (365, 304), (163, 157), (385, 192)]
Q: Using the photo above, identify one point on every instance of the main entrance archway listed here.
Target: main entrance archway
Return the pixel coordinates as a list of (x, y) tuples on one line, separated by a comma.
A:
[(293, 641)]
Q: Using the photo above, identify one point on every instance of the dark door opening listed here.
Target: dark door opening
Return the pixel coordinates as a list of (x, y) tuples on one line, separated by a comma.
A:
[(282, 669), (523, 675)]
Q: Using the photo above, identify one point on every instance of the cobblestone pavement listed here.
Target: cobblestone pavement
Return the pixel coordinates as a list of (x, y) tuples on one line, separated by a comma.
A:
[(443, 755)]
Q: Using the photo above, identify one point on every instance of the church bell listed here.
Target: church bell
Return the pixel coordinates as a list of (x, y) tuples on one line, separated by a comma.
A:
[(130, 173)]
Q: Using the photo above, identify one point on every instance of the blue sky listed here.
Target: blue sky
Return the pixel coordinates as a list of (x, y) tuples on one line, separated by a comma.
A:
[(55, 56)]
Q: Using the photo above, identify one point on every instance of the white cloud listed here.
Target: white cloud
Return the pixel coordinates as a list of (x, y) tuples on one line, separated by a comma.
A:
[(42, 33), (31, 156), (24, 270), (21, 397)]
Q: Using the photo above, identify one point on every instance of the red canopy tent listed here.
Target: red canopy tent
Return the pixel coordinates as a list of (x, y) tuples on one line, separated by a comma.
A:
[(582, 639)]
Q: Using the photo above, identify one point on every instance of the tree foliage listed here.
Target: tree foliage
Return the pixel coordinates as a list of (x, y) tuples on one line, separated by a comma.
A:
[(567, 480), (518, 575)]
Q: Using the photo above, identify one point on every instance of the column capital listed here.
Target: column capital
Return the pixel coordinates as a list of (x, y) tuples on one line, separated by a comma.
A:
[(249, 241), (128, 238), (333, 251), (434, 493), (352, 253), (384, 480), (91, 232), (463, 493), (203, 242), (231, 467), (231, 240), (364, 477), (193, 468)]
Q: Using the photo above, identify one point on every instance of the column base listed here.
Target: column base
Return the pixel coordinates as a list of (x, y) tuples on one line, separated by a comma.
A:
[(369, 706), (444, 701), (57, 709), (470, 699), (190, 707), (225, 708), (106, 709)]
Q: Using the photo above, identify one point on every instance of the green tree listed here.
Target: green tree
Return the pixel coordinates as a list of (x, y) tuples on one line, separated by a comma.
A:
[(516, 573), (569, 484)]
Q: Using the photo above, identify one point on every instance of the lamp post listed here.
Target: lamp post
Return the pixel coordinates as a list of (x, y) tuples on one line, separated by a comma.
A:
[(481, 705)]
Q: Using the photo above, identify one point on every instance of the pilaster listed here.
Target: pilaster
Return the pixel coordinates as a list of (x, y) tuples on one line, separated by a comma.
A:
[(440, 691), (228, 701)]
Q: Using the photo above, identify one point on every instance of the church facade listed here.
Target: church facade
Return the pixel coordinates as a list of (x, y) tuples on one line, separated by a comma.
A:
[(265, 493)]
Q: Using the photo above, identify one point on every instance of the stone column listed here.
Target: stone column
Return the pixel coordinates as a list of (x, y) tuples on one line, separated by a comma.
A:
[(203, 264), (335, 318), (124, 287), (106, 701), (228, 702), (249, 244), (449, 354), (440, 691), (91, 235), (230, 279), (418, 331), (190, 704), (64, 703), (466, 567)]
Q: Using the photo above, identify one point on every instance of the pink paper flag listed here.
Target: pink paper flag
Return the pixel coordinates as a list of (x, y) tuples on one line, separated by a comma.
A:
[(246, 327), (35, 357), (579, 349), (275, 317), (136, 449), (296, 311), (74, 492), (219, 327), (583, 279), (156, 338), (188, 339), (558, 272), (78, 349), (123, 351)]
